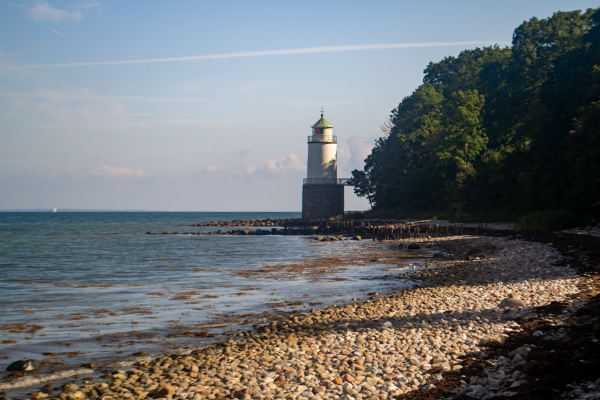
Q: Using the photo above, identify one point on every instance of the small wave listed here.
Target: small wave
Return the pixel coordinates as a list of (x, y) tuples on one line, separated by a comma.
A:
[(209, 326), (34, 380)]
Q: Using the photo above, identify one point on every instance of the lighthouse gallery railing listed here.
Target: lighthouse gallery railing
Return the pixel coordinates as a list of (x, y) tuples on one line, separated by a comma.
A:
[(326, 181), (322, 139)]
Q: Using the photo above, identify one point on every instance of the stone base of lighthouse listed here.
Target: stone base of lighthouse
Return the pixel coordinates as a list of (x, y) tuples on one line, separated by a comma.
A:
[(322, 201)]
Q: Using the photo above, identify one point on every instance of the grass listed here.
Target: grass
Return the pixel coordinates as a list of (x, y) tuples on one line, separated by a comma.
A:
[(549, 220)]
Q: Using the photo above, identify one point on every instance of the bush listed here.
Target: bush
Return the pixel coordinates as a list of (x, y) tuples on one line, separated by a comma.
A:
[(549, 220)]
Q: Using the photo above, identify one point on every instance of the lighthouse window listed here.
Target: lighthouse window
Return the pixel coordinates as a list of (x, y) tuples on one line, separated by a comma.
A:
[(318, 131)]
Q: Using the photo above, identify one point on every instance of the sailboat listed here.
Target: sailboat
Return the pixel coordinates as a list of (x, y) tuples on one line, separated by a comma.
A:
[(54, 210)]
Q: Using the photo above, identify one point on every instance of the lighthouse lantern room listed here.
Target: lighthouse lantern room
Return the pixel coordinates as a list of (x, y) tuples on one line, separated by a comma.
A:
[(322, 151)]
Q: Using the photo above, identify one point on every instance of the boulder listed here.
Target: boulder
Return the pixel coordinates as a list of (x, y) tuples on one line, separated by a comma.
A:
[(162, 391), (413, 246), (356, 237), (512, 302), (523, 350), (474, 250), (23, 365), (70, 388)]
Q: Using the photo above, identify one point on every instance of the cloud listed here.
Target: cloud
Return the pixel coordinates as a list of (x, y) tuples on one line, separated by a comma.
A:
[(343, 156), (58, 33), (72, 170), (74, 110), (360, 148), (84, 94), (41, 10), (280, 167), (211, 168), (244, 152), (87, 4), (264, 53), (107, 170), (245, 169)]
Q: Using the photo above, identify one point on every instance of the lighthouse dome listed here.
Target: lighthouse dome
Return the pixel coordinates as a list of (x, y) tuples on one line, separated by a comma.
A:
[(322, 123), (322, 127)]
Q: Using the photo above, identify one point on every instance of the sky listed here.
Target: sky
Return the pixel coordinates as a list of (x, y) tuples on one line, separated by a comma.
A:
[(207, 105)]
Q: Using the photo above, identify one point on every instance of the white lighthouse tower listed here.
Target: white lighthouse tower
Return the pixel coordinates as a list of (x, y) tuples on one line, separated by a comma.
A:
[(322, 193)]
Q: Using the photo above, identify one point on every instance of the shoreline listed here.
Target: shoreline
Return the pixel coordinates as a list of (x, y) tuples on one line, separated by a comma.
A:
[(444, 331)]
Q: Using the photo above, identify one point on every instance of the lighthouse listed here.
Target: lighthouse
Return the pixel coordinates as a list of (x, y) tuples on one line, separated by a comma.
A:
[(322, 192)]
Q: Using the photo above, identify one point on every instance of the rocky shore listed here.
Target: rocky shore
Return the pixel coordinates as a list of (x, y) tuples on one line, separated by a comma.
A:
[(468, 299), (378, 229)]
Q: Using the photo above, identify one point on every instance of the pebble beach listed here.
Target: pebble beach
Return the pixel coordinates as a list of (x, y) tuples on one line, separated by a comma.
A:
[(468, 296)]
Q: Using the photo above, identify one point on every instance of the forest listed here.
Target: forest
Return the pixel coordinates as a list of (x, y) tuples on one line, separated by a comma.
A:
[(498, 133)]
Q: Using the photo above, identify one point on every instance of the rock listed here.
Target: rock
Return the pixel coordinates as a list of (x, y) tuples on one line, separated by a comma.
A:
[(23, 365), (474, 250), (88, 365), (78, 395), (438, 255), (413, 246), (523, 350), (356, 237), (512, 302), (240, 394), (492, 340), (162, 391), (70, 388), (279, 381)]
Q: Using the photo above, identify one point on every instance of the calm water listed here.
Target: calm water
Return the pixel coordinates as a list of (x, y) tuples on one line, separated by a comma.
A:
[(79, 287)]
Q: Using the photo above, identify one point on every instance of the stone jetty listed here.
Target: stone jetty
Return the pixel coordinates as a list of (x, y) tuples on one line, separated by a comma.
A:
[(374, 229), (388, 346)]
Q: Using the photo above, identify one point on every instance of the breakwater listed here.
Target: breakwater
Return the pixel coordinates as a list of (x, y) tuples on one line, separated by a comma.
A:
[(373, 229)]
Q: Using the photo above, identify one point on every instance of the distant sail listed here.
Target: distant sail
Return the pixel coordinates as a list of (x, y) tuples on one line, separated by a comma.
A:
[(54, 210)]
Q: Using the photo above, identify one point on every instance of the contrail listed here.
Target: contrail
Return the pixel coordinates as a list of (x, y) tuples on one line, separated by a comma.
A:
[(263, 53)]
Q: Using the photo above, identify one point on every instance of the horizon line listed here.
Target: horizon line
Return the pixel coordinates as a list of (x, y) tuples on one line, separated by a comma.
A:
[(50, 210), (263, 53)]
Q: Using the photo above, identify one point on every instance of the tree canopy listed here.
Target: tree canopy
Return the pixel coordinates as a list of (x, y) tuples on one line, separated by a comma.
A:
[(498, 131)]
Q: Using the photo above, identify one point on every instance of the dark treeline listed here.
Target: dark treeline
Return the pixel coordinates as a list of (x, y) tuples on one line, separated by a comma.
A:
[(498, 132)]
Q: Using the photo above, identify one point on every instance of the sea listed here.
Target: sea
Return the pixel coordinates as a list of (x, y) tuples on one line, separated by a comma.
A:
[(83, 293)]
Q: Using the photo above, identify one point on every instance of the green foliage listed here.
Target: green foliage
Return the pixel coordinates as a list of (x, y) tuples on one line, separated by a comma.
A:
[(498, 131), (549, 220)]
